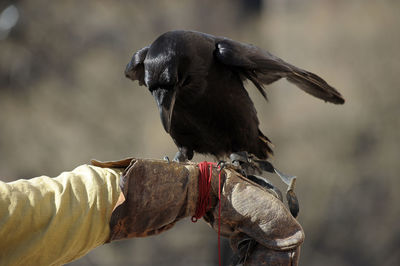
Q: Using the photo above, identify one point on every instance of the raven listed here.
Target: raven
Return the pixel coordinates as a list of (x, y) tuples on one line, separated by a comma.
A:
[(197, 82)]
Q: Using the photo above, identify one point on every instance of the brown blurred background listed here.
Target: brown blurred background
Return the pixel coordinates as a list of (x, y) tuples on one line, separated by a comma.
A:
[(64, 100)]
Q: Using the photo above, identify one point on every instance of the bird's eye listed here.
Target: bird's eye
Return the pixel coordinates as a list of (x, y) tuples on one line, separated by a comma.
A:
[(186, 81)]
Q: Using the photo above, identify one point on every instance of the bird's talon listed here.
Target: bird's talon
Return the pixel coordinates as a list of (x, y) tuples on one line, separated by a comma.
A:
[(221, 165), (239, 157), (181, 156), (166, 158)]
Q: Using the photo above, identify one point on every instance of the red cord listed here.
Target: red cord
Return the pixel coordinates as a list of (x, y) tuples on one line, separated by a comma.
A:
[(219, 218), (204, 201)]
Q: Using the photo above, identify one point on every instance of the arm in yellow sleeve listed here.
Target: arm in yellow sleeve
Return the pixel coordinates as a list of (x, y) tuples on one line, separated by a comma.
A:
[(52, 221)]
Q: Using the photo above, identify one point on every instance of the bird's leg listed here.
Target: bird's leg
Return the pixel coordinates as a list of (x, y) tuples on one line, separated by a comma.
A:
[(245, 161), (184, 154), (224, 164), (221, 165), (239, 157), (180, 157), (249, 166)]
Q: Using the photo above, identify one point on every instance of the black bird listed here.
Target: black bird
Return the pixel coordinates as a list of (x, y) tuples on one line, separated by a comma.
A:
[(197, 82)]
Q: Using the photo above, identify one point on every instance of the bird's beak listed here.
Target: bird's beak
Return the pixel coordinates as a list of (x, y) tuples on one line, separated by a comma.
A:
[(165, 101), (129, 70)]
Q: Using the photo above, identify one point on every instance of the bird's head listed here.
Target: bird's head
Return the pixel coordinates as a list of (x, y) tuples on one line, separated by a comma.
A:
[(160, 76), (163, 67)]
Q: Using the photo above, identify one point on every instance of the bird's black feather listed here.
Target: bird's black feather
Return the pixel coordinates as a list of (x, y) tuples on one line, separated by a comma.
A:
[(201, 76)]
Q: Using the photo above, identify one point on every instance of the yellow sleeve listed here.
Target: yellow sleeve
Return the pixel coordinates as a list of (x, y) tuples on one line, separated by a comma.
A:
[(52, 221)]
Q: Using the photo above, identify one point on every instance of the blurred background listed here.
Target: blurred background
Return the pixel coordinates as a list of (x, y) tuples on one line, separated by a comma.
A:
[(64, 99)]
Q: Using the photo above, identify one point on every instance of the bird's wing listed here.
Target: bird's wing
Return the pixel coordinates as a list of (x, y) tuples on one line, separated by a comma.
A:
[(136, 67), (261, 67)]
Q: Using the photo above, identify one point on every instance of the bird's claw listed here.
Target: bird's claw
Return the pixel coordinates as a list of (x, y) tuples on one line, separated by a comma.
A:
[(221, 165), (166, 158), (245, 162), (237, 158), (180, 157)]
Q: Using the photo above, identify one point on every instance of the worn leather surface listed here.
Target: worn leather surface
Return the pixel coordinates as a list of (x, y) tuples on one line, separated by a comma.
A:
[(158, 194), (250, 209)]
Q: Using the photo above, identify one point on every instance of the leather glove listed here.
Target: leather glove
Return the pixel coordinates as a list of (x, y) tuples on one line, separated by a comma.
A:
[(159, 193)]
